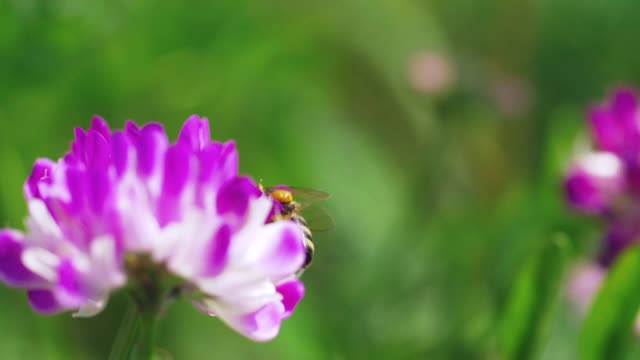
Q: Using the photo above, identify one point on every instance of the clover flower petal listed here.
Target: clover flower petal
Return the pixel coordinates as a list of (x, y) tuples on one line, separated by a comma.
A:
[(594, 181)]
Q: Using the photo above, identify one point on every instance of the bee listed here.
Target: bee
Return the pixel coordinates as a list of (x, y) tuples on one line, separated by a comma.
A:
[(298, 205)]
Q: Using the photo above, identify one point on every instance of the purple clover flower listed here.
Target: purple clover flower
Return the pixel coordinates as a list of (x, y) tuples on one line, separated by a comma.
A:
[(606, 181), (123, 198)]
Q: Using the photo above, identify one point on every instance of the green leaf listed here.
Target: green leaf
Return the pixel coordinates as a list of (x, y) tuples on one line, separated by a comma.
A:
[(524, 323), (608, 328)]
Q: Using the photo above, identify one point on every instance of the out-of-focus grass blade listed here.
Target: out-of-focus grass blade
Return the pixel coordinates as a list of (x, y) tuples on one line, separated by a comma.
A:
[(608, 327), (534, 292)]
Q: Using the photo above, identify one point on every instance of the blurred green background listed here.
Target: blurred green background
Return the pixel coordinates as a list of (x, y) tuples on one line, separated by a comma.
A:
[(441, 128)]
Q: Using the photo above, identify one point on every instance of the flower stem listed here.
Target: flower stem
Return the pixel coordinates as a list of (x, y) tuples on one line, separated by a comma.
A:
[(146, 341), (147, 289), (125, 339), (148, 297)]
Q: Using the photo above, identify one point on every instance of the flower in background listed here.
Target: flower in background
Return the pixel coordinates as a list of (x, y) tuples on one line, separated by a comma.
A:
[(431, 72), (594, 181), (124, 206), (511, 95), (606, 183), (584, 282)]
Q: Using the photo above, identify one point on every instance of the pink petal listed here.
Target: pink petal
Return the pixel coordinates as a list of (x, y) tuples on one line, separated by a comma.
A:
[(292, 292), (195, 133), (12, 270)]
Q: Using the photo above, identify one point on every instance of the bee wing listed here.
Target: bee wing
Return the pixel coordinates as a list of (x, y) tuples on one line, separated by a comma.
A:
[(309, 194), (303, 195), (318, 218)]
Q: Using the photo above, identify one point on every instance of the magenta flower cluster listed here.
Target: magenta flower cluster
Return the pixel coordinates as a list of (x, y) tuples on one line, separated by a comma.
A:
[(183, 206), (606, 181)]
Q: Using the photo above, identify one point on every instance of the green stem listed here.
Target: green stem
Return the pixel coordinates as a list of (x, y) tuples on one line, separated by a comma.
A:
[(125, 338), (146, 341), (136, 336), (147, 290), (149, 299)]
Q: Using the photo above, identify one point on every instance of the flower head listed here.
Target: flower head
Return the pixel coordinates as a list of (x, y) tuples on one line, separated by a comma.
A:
[(121, 198), (606, 181)]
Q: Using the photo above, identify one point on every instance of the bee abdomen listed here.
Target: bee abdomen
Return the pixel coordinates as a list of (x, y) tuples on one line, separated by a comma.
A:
[(310, 249), (308, 240)]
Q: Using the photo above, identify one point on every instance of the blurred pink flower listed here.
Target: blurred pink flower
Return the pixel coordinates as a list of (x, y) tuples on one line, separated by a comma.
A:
[(431, 72), (585, 281), (511, 95)]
